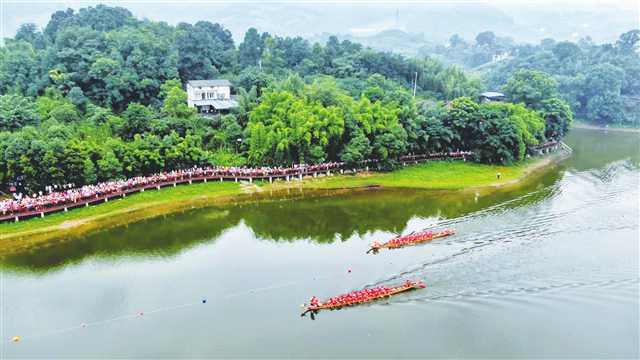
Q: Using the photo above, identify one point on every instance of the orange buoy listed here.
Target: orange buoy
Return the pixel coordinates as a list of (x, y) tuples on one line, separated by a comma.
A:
[(15, 338)]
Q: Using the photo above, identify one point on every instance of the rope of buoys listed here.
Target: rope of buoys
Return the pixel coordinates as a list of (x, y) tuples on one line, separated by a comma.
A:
[(141, 313)]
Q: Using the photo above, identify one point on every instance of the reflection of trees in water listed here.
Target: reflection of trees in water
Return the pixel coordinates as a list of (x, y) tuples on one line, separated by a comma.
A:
[(319, 216), (596, 149), (325, 219), (158, 237)]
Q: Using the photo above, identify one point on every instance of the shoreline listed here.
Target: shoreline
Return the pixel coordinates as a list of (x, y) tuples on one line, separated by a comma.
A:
[(61, 227), (582, 125)]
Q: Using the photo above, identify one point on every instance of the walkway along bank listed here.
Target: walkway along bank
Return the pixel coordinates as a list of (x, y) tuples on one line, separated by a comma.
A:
[(12, 210)]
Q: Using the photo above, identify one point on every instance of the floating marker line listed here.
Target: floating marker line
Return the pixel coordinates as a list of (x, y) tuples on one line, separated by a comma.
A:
[(168, 308)]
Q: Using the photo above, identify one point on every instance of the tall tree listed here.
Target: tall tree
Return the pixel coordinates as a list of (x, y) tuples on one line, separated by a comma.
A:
[(531, 87), (250, 50)]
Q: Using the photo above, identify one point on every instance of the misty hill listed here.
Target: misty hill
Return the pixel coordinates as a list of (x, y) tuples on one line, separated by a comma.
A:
[(435, 21)]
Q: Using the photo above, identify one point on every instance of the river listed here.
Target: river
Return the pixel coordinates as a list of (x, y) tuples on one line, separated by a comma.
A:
[(549, 269)]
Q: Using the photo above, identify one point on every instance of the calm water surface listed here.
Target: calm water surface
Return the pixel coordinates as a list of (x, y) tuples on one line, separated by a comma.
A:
[(546, 270)]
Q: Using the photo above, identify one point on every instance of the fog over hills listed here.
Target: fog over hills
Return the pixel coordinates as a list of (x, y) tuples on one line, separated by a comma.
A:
[(379, 24)]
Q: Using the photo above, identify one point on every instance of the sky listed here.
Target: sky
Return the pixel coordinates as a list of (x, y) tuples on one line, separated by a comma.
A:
[(524, 20)]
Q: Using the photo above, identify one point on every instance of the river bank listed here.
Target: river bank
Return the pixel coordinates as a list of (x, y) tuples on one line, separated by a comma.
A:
[(443, 175), (583, 125)]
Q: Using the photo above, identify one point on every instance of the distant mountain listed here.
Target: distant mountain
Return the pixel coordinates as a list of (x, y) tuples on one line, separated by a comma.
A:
[(394, 40), (435, 21)]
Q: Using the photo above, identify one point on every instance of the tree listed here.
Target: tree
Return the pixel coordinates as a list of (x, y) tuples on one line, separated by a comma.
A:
[(496, 140), (29, 33), (486, 38), (64, 112), (272, 61), (58, 19), (175, 100), (104, 18), (137, 119), (287, 129), (357, 150), (379, 122), (558, 118), (461, 116), (603, 78), (77, 98), (531, 87), (204, 50), (250, 50), (605, 108), (108, 166), (16, 112), (567, 51), (628, 42), (21, 69), (456, 41)]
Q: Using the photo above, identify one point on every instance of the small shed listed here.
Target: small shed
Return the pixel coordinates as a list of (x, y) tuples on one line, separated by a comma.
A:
[(491, 96)]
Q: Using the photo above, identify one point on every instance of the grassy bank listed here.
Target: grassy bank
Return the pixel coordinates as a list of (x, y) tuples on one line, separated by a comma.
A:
[(436, 175), (15, 237), (61, 225)]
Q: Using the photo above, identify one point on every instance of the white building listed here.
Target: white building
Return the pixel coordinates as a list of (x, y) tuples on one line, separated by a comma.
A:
[(210, 96), (491, 96)]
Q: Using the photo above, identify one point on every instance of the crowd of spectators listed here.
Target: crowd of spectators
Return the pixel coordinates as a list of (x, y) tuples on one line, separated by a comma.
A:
[(56, 196), (61, 196)]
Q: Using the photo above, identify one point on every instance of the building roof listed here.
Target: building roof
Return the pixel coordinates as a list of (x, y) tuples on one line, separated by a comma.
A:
[(206, 83), (492, 94), (218, 104)]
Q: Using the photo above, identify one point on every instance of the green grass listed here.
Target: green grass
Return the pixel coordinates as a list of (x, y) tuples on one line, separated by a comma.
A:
[(149, 197), (435, 175), (117, 211)]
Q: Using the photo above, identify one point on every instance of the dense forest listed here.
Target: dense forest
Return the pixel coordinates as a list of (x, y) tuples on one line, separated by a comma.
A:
[(98, 94), (601, 82)]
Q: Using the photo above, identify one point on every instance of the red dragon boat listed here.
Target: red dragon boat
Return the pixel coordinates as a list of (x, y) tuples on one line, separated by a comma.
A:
[(411, 239), (360, 296)]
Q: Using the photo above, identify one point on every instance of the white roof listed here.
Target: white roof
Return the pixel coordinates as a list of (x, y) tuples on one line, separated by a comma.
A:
[(208, 83), (491, 94)]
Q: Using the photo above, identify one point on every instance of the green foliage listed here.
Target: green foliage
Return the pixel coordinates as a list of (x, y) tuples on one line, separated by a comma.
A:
[(605, 108), (137, 120), (99, 95), (286, 129), (175, 100), (205, 50), (531, 87), (250, 51), (558, 118), (504, 131), (595, 80), (16, 112)]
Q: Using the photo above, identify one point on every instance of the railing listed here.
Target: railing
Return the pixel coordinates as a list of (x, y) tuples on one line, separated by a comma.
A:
[(566, 147), (211, 175)]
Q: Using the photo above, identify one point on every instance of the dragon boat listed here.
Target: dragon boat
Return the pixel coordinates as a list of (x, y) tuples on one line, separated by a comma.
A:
[(360, 297), (411, 239)]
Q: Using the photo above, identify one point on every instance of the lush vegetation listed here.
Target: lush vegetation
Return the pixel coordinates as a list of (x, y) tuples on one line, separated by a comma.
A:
[(99, 95), (601, 82)]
